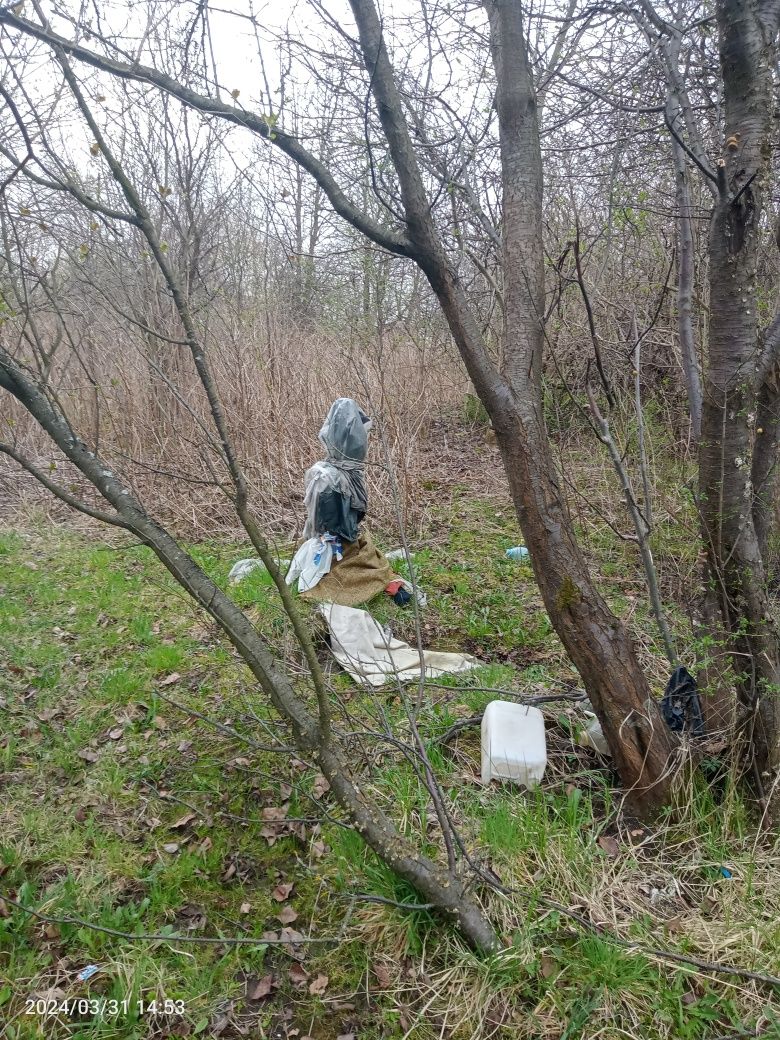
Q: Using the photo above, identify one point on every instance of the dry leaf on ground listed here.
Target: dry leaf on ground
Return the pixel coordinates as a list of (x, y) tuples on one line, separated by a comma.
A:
[(609, 845), (319, 985), (287, 915), (256, 989)]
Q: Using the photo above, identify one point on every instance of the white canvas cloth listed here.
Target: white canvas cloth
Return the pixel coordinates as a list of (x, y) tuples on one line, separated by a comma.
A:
[(373, 657)]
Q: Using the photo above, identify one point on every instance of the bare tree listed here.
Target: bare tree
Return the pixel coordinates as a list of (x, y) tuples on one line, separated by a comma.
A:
[(738, 452), (680, 119), (594, 638), (736, 413), (316, 734)]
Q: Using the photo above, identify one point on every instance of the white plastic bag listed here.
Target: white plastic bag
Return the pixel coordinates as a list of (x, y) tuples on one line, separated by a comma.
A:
[(593, 736), (397, 554), (311, 563), (242, 568), (419, 595)]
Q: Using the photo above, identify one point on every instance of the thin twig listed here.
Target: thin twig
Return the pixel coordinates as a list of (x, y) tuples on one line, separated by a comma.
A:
[(515, 695), (669, 955), (367, 898), (227, 730), (160, 937)]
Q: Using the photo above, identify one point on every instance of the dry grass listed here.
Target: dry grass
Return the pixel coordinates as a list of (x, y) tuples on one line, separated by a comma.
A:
[(654, 889), (276, 384)]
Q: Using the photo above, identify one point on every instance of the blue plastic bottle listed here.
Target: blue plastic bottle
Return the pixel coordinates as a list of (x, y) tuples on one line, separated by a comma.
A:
[(517, 552)]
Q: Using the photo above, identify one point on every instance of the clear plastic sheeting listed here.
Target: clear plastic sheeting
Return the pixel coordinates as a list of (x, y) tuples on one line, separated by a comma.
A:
[(242, 569), (397, 554), (593, 736), (336, 499), (344, 434)]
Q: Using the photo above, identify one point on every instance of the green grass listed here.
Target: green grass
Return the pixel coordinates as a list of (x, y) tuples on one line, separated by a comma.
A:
[(99, 769)]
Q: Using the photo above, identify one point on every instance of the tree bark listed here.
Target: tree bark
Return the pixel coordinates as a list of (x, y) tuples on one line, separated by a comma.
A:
[(748, 37), (764, 471)]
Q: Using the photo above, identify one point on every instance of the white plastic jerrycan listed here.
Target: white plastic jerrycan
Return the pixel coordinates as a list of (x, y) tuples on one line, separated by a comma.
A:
[(514, 746)]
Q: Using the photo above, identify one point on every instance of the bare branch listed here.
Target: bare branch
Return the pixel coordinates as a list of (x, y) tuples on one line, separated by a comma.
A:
[(65, 496), (262, 125)]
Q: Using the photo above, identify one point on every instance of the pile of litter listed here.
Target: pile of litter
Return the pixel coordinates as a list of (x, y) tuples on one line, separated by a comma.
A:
[(339, 566)]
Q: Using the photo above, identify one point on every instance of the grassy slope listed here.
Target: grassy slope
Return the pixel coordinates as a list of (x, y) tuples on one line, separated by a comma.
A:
[(120, 809)]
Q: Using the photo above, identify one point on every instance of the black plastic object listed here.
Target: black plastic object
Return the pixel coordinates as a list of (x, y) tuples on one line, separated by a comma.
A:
[(680, 706), (402, 597), (335, 514)]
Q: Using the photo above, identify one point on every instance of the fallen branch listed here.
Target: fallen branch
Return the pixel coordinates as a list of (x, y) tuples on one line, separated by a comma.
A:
[(366, 897), (161, 937), (514, 695)]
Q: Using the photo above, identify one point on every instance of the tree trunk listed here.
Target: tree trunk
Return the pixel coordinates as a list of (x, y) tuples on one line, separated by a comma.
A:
[(734, 543), (764, 471), (685, 282), (594, 638)]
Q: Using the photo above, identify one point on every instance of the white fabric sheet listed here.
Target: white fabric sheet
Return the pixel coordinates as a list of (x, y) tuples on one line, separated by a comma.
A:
[(373, 657)]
